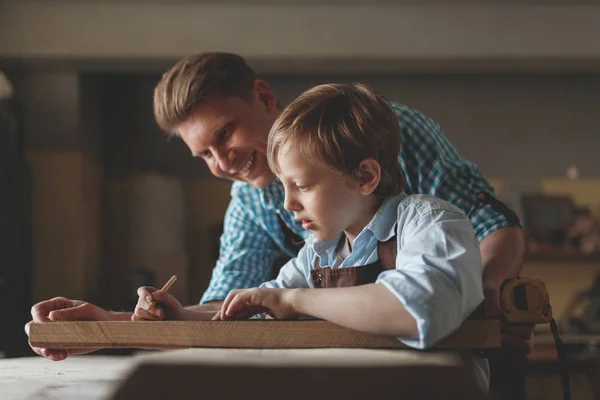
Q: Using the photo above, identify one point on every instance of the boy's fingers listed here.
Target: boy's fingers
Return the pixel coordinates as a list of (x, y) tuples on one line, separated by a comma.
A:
[(227, 301), (217, 316), (160, 297), (238, 303), (156, 310), (146, 293), (142, 314)]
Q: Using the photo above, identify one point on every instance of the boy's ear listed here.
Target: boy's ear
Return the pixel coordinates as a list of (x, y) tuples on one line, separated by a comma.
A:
[(368, 174)]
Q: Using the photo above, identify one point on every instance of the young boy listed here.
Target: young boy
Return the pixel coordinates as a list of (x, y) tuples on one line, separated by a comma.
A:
[(379, 261)]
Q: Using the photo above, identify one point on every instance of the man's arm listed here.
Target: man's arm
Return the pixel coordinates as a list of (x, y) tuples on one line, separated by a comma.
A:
[(247, 252), (502, 252)]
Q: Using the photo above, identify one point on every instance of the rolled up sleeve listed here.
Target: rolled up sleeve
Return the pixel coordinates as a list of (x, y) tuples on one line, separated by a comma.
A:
[(438, 274)]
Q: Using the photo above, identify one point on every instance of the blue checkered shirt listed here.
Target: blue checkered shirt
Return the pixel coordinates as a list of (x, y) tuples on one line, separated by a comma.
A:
[(253, 240)]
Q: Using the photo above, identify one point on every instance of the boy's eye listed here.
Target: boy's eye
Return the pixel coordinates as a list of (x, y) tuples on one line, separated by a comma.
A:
[(301, 188), (205, 154)]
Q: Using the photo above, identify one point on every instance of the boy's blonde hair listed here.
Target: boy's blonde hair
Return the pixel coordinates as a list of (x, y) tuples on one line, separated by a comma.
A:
[(340, 125), (197, 78)]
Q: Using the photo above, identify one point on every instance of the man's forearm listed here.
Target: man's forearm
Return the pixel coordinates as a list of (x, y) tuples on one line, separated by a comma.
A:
[(502, 252), (368, 308), (119, 316)]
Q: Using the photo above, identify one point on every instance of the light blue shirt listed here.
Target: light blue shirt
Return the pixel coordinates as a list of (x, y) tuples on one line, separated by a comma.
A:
[(438, 265), (252, 239)]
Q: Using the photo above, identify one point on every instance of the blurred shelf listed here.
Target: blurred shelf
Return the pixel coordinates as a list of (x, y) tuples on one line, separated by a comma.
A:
[(561, 256)]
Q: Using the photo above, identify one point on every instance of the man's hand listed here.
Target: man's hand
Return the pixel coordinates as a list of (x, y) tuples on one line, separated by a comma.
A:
[(517, 337), (63, 309), (156, 305), (244, 303)]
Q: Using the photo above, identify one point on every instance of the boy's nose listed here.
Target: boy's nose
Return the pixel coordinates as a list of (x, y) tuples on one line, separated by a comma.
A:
[(289, 203)]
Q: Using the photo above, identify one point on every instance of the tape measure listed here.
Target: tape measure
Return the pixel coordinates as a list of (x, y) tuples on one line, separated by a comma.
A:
[(525, 300)]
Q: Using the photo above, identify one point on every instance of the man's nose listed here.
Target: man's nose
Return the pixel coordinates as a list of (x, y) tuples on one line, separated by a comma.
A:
[(225, 160)]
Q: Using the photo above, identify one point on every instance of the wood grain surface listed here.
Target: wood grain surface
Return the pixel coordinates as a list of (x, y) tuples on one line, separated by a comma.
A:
[(473, 334)]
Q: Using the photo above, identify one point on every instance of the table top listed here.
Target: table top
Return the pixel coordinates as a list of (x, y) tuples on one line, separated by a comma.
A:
[(76, 378), (92, 377)]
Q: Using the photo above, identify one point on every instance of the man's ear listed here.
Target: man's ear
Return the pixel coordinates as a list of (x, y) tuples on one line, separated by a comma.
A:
[(264, 94), (368, 174)]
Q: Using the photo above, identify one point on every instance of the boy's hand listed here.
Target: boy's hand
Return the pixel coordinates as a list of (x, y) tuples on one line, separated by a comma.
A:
[(156, 305), (63, 309), (244, 303)]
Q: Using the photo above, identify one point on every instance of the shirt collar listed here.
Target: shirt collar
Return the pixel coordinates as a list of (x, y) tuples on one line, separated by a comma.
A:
[(382, 225)]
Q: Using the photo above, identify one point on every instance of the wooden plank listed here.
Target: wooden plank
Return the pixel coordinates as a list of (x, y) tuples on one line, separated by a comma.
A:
[(472, 334)]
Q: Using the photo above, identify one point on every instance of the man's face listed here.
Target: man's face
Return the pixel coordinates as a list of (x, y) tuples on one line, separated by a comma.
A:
[(231, 136), (325, 202)]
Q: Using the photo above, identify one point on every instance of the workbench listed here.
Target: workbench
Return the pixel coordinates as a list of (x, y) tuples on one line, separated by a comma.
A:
[(236, 373)]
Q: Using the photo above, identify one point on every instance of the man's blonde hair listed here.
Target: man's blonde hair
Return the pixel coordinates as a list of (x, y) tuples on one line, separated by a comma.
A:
[(340, 125), (195, 79)]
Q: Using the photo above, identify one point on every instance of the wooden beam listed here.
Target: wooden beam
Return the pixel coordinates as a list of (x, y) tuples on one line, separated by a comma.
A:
[(472, 334)]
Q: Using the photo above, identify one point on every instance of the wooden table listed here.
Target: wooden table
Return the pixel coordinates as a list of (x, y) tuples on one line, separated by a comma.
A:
[(76, 378), (236, 373)]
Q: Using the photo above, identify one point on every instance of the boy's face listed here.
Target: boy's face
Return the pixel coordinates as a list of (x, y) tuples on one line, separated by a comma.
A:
[(324, 201), (230, 135)]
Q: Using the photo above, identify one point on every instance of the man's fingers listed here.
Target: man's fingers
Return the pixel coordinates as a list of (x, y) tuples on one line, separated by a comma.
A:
[(55, 355), (518, 337), (491, 303), (39, 314), (40, 311), (523, 331), (83, 312)]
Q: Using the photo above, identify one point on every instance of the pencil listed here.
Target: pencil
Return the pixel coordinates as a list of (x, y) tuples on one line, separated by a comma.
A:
[(169, 283)]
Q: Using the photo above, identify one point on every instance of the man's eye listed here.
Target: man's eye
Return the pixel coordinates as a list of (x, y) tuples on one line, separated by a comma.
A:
[(224, 133), (205, 154)]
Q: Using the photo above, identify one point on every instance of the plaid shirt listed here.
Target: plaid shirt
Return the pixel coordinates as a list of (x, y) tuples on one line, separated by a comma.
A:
[(252, 239)]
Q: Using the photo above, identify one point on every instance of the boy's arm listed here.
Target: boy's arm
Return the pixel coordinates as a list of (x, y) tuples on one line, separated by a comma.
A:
[(368, 308), (435, 286)]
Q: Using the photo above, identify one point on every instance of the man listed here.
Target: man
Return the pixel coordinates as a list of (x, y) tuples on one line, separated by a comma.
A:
[(216, 104)]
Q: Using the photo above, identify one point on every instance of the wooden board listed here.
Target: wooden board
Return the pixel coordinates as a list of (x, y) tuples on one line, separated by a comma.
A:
[(473, 334)]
